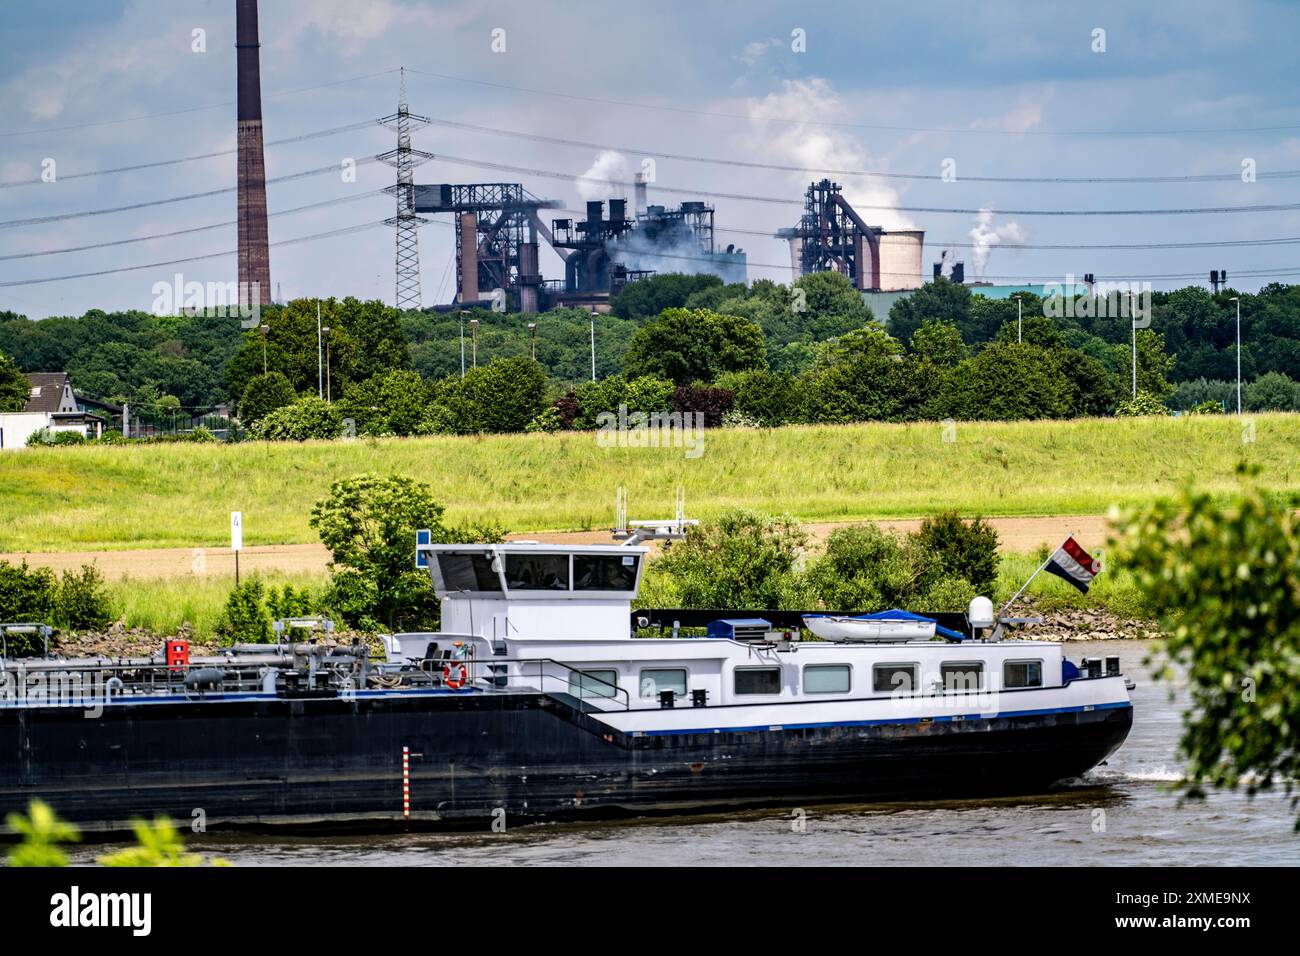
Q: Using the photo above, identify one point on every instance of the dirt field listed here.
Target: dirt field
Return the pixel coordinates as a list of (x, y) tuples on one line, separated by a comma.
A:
[(1017, 534)]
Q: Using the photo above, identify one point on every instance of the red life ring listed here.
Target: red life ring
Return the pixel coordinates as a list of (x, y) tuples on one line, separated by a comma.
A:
[(455, 683)]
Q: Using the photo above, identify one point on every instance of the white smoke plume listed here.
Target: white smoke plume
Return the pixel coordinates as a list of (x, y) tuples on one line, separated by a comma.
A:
[(820, 147), (609, 164), (984, 235)]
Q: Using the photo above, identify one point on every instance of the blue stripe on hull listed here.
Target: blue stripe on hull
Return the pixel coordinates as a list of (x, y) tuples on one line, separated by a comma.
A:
[(877, 723)]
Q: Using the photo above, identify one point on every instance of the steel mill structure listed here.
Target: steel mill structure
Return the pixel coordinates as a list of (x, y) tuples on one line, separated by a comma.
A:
[(254, 251), (832, 237)]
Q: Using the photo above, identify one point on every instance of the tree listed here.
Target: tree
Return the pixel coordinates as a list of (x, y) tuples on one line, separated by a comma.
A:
[(368, 522), (264, 394), (501, 397), (696, 345), (390, 403), (940, 342), (14, 387), (1035, 329), (1005, 381), (1271, 392), (938, 301), (649, 297), (770, 398), (1153, 364), (1093, 389), (1224, 582)]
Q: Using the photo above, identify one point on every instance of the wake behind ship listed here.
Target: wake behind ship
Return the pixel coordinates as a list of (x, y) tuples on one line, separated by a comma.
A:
[(537, 700)]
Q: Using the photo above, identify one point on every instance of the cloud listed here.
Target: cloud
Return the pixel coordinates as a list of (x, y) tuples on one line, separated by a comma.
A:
[(1027, 114), (819, 147)]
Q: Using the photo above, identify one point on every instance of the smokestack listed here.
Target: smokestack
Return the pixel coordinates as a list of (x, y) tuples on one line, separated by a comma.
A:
[(638, 192), (254, 253)]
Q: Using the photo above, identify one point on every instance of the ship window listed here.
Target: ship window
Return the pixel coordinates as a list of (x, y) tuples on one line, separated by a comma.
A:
[(468, 572), (605, 572), (893, 678), (826, 679), (959, 676), (758, 680), (537, 572), (654, 680), (594, 683), (1022, 674)]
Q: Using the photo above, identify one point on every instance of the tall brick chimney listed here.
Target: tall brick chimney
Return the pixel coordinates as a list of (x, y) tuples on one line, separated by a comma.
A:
[(254, 254)]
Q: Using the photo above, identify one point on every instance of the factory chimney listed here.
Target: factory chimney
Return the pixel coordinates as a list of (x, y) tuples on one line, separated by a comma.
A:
[(254, 254)]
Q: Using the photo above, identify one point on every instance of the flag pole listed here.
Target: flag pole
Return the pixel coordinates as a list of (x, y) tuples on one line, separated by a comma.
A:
[(1030, 579)]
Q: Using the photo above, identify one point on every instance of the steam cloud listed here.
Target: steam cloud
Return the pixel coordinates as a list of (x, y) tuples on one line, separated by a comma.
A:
[(985, 235)]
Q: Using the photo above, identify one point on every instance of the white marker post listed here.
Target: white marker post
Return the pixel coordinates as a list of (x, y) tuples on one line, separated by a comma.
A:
[(236, 538)]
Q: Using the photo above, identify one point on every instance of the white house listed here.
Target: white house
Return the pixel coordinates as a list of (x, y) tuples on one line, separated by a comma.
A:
[(52, 404)]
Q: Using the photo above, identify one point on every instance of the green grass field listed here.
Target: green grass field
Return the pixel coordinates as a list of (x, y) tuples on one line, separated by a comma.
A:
[(92, 498)]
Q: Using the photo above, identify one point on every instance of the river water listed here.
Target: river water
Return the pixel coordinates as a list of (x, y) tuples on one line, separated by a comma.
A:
[(1124, 812)]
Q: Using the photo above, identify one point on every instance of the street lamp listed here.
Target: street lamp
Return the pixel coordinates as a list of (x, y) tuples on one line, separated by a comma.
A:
[(532, 331), (1237, 300), (473, 332), (319, 391), (264, 328), (1133, 320), (1020, 321), (593, 345), (463, 313), (326, 335)]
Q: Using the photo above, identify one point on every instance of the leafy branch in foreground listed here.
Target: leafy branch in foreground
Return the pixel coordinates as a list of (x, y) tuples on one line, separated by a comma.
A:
[(1225, 585)]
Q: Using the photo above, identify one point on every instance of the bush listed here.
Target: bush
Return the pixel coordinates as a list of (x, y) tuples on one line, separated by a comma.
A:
[(245, 619), (305, 419), (863, 569), (394, 403), (953, 548), (497, 398), (645, 394), (1144, 404), (82, 602), (287, 602), (741, 559), (768, 398), (264, 394), (710, 403), (26, 594), (1271, 392)]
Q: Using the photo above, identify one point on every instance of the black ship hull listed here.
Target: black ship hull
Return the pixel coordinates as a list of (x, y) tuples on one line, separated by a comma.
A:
[(338, 763)]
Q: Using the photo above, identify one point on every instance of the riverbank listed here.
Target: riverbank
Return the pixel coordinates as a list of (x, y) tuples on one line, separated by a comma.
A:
[(85, 498)]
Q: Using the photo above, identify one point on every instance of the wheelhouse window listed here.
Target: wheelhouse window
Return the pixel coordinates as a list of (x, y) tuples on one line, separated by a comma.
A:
[(1022, 674), (605, 572), (894, 678), (537, 572), (757, 680), (593, 683), (654, 680), (468, 572), (960, 676), (826, 679)]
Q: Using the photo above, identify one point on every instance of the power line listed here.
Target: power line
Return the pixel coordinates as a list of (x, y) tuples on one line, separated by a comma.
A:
[(60, 217), (318, 134), (191, 230), (785, 201), (803, 121), (932, 177), (346, 230), (190, 109)]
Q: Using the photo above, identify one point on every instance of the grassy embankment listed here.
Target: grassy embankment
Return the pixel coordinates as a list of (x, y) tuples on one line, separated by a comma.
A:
[(88, 498), (75, 499)]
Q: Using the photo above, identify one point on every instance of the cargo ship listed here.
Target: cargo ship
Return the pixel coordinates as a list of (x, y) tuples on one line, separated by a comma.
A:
[(545, 694)]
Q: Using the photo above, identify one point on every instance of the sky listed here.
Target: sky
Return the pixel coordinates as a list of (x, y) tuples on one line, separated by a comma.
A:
[(893, 95)]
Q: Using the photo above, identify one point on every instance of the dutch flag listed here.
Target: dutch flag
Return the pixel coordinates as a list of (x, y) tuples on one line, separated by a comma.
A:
[(1073, 564)]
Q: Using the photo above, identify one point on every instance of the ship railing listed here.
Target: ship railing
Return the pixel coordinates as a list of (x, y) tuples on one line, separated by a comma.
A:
[(577, 683)]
